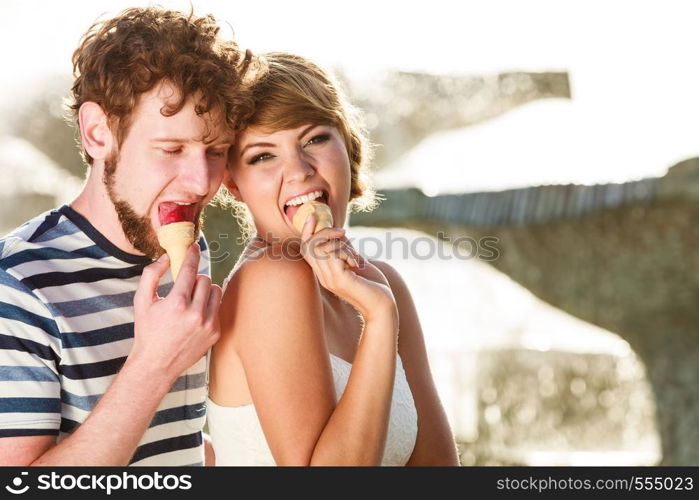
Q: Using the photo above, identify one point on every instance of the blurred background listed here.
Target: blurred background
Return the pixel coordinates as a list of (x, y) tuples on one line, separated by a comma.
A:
[(562, 133)]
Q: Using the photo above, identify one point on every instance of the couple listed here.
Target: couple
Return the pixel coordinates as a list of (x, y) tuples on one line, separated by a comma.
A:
[(103, 359)]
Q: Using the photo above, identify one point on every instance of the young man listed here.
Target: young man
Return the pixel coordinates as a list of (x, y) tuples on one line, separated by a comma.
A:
[(96, 368)]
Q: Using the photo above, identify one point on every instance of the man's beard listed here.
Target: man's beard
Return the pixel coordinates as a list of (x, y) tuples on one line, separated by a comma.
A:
[(137, 228)]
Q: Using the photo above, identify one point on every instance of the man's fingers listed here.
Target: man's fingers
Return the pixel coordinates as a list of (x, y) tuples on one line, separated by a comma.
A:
[(214, 300), (147, 291), (188, 272), (200, 296)]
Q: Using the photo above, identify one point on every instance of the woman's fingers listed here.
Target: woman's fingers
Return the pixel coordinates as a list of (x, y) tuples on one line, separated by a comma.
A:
[(332, 266), (357, 256), (330, 255), (338, 249), (310, 242), (308, 228)]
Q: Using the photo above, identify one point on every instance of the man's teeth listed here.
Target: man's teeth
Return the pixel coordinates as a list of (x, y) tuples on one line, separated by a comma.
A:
[(300, 200), (180, 203)]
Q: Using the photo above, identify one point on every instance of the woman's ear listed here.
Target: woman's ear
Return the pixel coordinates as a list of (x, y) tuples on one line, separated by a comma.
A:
[(231, 186), (97, 138)]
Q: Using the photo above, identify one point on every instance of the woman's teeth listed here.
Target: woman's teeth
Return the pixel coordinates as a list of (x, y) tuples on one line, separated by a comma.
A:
[(300, 200)]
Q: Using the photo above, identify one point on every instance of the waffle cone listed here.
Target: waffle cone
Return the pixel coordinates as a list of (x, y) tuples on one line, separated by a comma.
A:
[(176, 238), (324, 218)]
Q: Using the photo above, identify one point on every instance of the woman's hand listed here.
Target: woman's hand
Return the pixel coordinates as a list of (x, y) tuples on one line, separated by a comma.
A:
[(341, 270)]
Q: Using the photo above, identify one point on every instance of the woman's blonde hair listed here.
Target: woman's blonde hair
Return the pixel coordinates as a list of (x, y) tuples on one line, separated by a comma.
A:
[(291, 91)]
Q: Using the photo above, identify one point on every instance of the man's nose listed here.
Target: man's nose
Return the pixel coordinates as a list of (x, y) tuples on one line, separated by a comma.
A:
[(197, 175)]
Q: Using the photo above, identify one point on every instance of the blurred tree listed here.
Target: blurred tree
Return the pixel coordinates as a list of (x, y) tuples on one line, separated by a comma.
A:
[(620, 256), (404, 108), (43, 123)]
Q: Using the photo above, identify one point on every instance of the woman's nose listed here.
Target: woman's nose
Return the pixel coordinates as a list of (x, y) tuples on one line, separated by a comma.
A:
[(298, 167)]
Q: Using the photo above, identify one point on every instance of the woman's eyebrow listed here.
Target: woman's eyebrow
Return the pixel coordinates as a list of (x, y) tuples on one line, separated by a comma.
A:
[(305, 131), (253, 144)]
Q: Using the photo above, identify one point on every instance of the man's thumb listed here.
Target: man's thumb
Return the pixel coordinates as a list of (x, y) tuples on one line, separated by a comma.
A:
[(147, 291)]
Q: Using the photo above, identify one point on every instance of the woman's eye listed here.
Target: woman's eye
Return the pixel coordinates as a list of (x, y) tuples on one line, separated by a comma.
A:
[(259, 158), (172, 152), (318, 139)]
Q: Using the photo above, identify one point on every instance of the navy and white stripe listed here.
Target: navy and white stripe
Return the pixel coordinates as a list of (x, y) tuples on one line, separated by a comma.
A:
[(66, 328)]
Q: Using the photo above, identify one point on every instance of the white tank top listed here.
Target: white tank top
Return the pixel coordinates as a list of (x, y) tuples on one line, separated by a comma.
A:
[(238, 438)]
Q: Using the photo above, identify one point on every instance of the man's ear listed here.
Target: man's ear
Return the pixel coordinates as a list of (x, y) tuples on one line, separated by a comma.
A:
[(95, 133), (231, 186)]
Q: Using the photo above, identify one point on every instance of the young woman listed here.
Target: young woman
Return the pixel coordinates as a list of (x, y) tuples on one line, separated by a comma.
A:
[(321, 360)]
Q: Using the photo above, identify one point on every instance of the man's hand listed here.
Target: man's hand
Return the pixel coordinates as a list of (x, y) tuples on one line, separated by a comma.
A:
[(173, 333)]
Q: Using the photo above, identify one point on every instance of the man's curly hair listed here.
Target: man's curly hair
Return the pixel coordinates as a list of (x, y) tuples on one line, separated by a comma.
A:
[(121, 58)]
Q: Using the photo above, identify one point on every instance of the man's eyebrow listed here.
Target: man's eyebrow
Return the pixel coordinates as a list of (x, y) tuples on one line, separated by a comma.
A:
[(224, 142), (171, 139)]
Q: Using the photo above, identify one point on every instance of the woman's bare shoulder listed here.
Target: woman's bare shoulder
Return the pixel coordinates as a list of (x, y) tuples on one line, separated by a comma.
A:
[(267, 272), (270, 289)]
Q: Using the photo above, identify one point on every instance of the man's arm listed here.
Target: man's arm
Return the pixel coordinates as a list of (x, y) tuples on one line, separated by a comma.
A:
[(209, 455), (170, 335), (110, 435), (23, 450)]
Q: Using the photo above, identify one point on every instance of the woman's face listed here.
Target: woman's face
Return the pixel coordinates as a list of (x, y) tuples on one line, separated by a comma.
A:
[(270, 169)]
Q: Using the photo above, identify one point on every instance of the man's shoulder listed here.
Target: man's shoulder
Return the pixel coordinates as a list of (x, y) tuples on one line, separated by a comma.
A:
[(24, 252), (35, 233)]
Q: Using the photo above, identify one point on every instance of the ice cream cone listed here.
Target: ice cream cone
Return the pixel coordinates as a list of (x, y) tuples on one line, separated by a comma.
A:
[(176, 238), (324, 218)]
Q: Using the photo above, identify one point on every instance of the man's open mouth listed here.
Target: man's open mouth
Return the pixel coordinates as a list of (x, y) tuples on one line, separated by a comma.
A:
[(292, 206), (176, 211)]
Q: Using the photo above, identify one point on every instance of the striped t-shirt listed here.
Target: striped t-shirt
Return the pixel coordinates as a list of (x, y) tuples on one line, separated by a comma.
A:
[(66, 328)]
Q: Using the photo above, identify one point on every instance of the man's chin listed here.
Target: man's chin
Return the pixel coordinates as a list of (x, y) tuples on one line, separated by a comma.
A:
[(148, 247)]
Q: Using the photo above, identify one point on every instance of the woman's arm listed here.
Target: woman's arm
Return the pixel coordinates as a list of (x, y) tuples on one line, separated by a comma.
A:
[(435, 443), (272, 319), (356, 431)]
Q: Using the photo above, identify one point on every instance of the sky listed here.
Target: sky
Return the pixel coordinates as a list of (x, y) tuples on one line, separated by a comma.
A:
[(632, 65)]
